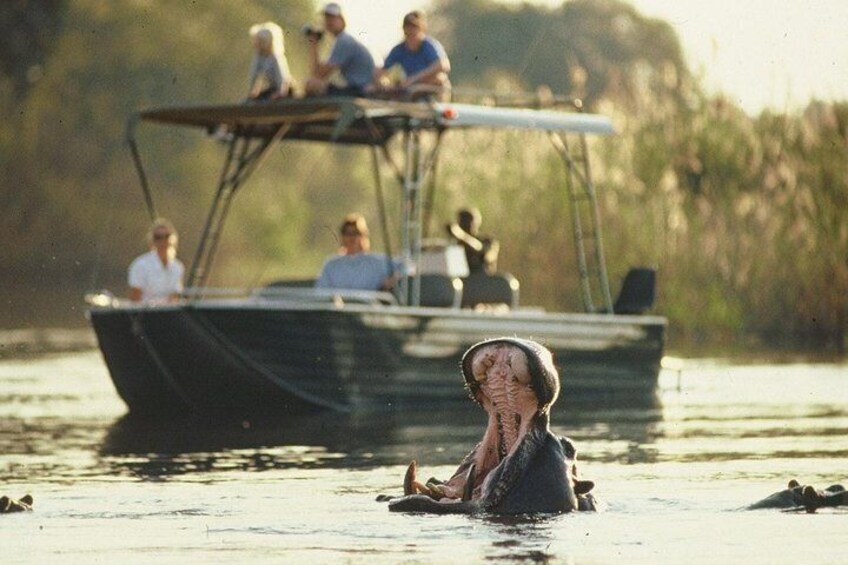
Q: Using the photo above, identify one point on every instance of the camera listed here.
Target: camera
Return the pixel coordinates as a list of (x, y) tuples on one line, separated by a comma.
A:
[(310, 31)]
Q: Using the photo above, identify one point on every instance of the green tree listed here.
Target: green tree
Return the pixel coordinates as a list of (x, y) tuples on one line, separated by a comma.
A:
[(591, 49)]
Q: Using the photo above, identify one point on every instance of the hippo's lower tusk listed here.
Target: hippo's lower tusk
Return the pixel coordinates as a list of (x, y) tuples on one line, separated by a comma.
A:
[(419, 488), (409, 479), (470, 477), (435, 491)]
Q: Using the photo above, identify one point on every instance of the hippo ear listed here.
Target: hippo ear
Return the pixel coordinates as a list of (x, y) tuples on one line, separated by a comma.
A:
[(568, 448), (583, 487)]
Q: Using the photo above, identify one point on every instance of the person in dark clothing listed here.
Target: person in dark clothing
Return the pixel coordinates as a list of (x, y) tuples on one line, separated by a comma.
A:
[(481, 251)]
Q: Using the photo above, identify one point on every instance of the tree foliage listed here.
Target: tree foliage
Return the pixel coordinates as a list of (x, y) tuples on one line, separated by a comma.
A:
[(590, 49)]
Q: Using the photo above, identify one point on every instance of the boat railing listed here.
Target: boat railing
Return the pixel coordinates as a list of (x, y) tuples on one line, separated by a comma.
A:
[(300, 295), (541, 98), (324, 295), (296, 294)]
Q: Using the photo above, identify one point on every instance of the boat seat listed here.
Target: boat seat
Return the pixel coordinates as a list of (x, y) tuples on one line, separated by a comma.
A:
[(277, 289), (483, 288), (638, 292), (291, 283), (439, 291), (304, 290)]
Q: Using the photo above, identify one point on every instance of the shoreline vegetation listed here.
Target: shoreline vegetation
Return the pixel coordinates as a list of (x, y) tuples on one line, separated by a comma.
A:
[(744, 217)]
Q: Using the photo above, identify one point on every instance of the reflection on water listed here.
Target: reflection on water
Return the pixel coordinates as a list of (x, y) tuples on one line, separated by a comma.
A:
[(299, 489), (59, 417)]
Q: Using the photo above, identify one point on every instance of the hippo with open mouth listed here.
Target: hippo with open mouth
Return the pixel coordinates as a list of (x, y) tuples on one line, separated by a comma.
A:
[(519, 467)]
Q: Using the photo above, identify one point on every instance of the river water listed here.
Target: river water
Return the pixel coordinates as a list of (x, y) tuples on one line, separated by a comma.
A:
[(111, 489)]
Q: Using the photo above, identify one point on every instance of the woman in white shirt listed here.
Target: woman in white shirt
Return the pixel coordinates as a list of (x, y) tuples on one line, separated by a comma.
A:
[(157, 276)]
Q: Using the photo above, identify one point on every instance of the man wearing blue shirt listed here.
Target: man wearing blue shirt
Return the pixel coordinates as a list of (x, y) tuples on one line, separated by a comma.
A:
[(355, 267), (419, 64), (349, 57)]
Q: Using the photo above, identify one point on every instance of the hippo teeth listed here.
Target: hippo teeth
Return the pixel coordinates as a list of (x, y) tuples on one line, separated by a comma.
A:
[(409, 479), (502, 440), (470, 479), (503, 372)]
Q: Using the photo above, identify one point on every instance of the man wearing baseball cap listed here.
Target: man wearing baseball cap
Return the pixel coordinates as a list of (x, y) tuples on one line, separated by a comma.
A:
[(348, 56)]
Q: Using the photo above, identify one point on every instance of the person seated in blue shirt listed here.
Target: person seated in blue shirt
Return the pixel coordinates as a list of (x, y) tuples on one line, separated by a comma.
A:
[(416, 67), (348, 58), (355, 267)]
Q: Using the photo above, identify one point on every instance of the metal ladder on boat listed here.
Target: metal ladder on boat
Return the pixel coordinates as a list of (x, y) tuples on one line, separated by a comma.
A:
[(585, 222)]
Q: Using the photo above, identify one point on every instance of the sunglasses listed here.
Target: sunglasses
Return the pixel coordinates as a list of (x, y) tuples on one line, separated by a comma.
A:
[(350, 232), (161, 235)]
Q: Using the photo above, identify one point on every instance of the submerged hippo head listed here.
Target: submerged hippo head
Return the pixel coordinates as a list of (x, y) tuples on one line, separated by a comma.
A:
[(519, 466), (9, 505), (807, 497)]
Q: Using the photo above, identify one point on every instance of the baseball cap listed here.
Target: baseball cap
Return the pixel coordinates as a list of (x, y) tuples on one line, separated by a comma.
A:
[(332, 9)]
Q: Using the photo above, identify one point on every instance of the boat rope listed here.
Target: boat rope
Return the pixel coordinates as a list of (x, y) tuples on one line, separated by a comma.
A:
[(138, 329), (227, 346)]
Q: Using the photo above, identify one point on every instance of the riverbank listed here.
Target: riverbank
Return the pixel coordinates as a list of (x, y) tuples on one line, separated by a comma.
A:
[(37, 341)]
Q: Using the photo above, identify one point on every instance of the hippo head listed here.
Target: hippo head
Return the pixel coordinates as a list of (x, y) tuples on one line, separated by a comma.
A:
[(9, 505), (807, 497), (519, 466), (509, 369)]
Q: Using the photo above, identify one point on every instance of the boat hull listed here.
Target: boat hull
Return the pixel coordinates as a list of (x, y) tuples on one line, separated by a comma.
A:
[(242, 359)]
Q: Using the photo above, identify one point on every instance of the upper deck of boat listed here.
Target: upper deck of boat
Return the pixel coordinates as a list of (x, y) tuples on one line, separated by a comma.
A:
[(367, 121)]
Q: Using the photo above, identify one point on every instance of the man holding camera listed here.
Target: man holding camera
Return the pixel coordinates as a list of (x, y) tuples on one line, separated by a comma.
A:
[(348, 56)]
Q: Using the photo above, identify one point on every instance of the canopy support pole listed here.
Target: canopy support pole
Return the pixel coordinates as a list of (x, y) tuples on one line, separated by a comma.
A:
[(234, 173), (410, 287), (381, 201), (431, 185), (142, 175), (381, 206)]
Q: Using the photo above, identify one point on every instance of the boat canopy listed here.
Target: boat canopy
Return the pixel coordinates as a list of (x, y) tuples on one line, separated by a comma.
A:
[(252, 128), (367, 121)]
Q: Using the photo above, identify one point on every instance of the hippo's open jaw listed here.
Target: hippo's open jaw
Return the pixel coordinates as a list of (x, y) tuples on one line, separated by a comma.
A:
[(498, 374), (502, 383), (516, 382), (511, 358)]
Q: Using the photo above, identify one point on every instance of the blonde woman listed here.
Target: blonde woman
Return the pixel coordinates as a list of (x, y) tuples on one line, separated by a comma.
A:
[(270, 77), (157, 276)]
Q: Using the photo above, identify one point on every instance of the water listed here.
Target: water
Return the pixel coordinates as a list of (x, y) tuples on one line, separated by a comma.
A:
[(111, 489)]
